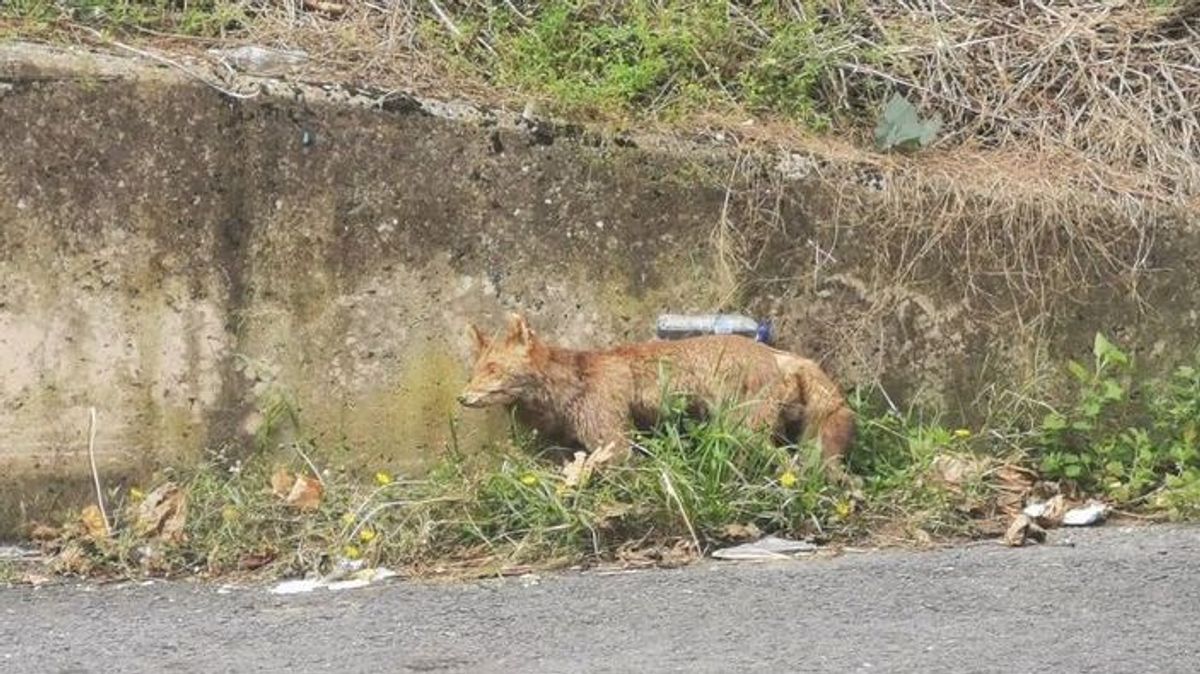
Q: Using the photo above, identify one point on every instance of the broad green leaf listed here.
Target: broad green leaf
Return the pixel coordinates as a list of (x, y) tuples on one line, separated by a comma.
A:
[(1107, 352), (1078, 371), (900, 126)]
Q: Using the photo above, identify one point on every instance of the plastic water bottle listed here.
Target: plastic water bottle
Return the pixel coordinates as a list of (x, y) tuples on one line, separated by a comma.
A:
[(679, 326)]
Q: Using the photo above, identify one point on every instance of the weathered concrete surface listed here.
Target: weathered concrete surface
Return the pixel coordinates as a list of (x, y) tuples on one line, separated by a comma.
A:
[(168, 253)]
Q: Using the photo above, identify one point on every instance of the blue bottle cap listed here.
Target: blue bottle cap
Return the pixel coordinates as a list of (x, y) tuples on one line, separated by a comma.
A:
[(763, 334)]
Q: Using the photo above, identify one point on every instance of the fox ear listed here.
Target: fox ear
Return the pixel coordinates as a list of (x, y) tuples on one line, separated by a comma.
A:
[(519, 331), (479, 341)]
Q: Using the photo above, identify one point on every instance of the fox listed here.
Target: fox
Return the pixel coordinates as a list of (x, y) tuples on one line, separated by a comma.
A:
[(594, 398)]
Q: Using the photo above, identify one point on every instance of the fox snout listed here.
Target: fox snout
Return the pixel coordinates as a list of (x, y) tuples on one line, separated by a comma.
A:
[(483, 397), (480, 397)]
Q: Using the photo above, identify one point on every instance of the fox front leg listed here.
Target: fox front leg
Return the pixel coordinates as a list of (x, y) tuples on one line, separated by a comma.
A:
[(604, 435)]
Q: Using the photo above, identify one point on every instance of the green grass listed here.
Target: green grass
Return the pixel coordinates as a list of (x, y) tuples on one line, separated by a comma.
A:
[(9, 572), (1127, 439), (207, 18), (669, 58), (695, 485), (694, 480), (632, 58)]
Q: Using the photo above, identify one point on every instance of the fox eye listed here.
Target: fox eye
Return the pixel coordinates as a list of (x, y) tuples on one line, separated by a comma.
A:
[(491, 368)]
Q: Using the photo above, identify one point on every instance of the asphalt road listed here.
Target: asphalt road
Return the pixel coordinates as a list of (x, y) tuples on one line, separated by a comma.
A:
[(1119, 599)]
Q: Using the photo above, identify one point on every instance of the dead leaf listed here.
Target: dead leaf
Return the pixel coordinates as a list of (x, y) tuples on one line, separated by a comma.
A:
[(990, 528), (682, 553), (34, 579), (599, 458), (1053, 511), (306, 493), (281, 482), (43, 533), (573, 471), (606, 512), (330, 8), (93, 522), (637, 554), (741, 532), (1022, 529), (71, 560), (953, 470), (922, 538), (1013, 478), (163, 513), (1009, 504), (252, 561), (1014, 485)]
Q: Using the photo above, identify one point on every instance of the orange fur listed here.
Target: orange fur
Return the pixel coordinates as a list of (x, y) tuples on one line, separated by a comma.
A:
[(593, 398)]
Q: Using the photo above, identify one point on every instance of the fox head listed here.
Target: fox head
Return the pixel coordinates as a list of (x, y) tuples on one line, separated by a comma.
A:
[(504, 368)]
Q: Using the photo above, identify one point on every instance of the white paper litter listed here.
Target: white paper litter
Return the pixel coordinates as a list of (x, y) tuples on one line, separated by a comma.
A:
[(768, 547), (361, 578), (1092, 513)]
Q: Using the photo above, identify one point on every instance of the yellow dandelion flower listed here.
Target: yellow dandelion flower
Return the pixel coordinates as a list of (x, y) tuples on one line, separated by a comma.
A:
[(787, 480), (351, 552), (366, 535), (137, 495), (962, 433), (383, 479), (229, 514), (529, 479), (349, 518), (843, 509)]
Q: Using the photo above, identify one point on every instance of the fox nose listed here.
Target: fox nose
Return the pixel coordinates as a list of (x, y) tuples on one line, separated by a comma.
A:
[(462, 399)]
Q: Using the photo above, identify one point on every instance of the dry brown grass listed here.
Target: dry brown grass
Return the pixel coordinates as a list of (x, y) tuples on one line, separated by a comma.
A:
[(1114, 82)]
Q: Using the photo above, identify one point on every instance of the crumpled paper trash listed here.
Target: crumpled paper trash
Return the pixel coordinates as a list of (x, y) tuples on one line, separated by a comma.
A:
[(348, 575), (767, 547), (1085, 516)]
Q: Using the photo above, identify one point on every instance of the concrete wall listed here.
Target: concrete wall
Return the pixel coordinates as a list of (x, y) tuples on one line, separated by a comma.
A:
[(167, 251)]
